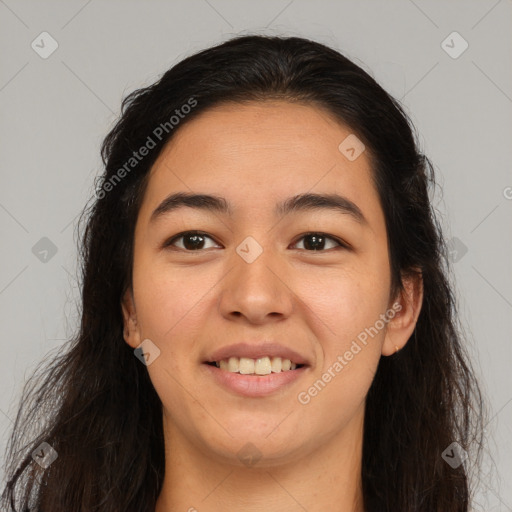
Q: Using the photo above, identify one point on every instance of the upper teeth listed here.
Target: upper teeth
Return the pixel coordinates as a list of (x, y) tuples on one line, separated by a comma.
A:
[(260, 366)]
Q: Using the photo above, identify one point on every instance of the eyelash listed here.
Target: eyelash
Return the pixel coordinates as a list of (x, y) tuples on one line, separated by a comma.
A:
[(169, 243)]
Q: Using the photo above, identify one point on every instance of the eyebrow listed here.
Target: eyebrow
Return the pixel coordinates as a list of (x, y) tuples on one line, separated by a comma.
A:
[(299, 203)]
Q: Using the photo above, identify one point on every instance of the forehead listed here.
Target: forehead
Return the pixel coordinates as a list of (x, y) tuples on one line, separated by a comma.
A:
[(265, 129), (262, 151)]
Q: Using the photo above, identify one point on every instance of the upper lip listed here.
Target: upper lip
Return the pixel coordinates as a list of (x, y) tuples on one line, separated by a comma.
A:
[(255, 351)]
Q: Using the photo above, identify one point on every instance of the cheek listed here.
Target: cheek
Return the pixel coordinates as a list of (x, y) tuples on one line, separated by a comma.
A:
[(351, 305), (349, 335), (344, 303), (170, 300), (170, 310)]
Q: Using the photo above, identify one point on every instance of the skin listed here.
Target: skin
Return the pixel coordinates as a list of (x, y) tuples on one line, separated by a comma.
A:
[(190, 303)]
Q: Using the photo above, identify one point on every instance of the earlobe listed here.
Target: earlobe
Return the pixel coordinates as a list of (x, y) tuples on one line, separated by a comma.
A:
[(130, 325), (403, 323)]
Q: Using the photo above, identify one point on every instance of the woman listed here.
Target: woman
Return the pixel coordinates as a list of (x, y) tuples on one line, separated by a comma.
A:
[(267, 319)]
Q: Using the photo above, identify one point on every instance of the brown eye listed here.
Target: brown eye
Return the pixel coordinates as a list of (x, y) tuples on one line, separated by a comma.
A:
[(190, 241), (317, 242)]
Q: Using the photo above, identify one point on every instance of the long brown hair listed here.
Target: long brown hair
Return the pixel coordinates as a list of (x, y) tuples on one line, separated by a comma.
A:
[(95, 405)]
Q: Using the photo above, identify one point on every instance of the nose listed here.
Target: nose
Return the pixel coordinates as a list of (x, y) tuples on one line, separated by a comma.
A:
[(257, 292)]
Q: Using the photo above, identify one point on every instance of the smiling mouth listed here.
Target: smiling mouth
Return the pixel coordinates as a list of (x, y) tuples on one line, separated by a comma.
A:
[(257, 367)]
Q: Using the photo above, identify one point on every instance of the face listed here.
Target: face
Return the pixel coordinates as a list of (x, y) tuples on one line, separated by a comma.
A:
[(312, 279)]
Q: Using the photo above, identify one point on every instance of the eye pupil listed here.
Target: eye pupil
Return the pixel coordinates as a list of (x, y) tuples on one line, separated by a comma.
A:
[(315, 240), (197, 241)]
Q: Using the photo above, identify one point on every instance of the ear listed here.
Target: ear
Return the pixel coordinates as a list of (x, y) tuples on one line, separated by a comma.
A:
[(407, 307), (131, 333)]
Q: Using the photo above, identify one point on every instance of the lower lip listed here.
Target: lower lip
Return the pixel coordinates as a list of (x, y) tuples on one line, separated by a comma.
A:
[(254, 385)]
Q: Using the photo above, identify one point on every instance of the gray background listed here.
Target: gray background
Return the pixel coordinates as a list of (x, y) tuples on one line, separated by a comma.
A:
[(56, 111)]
